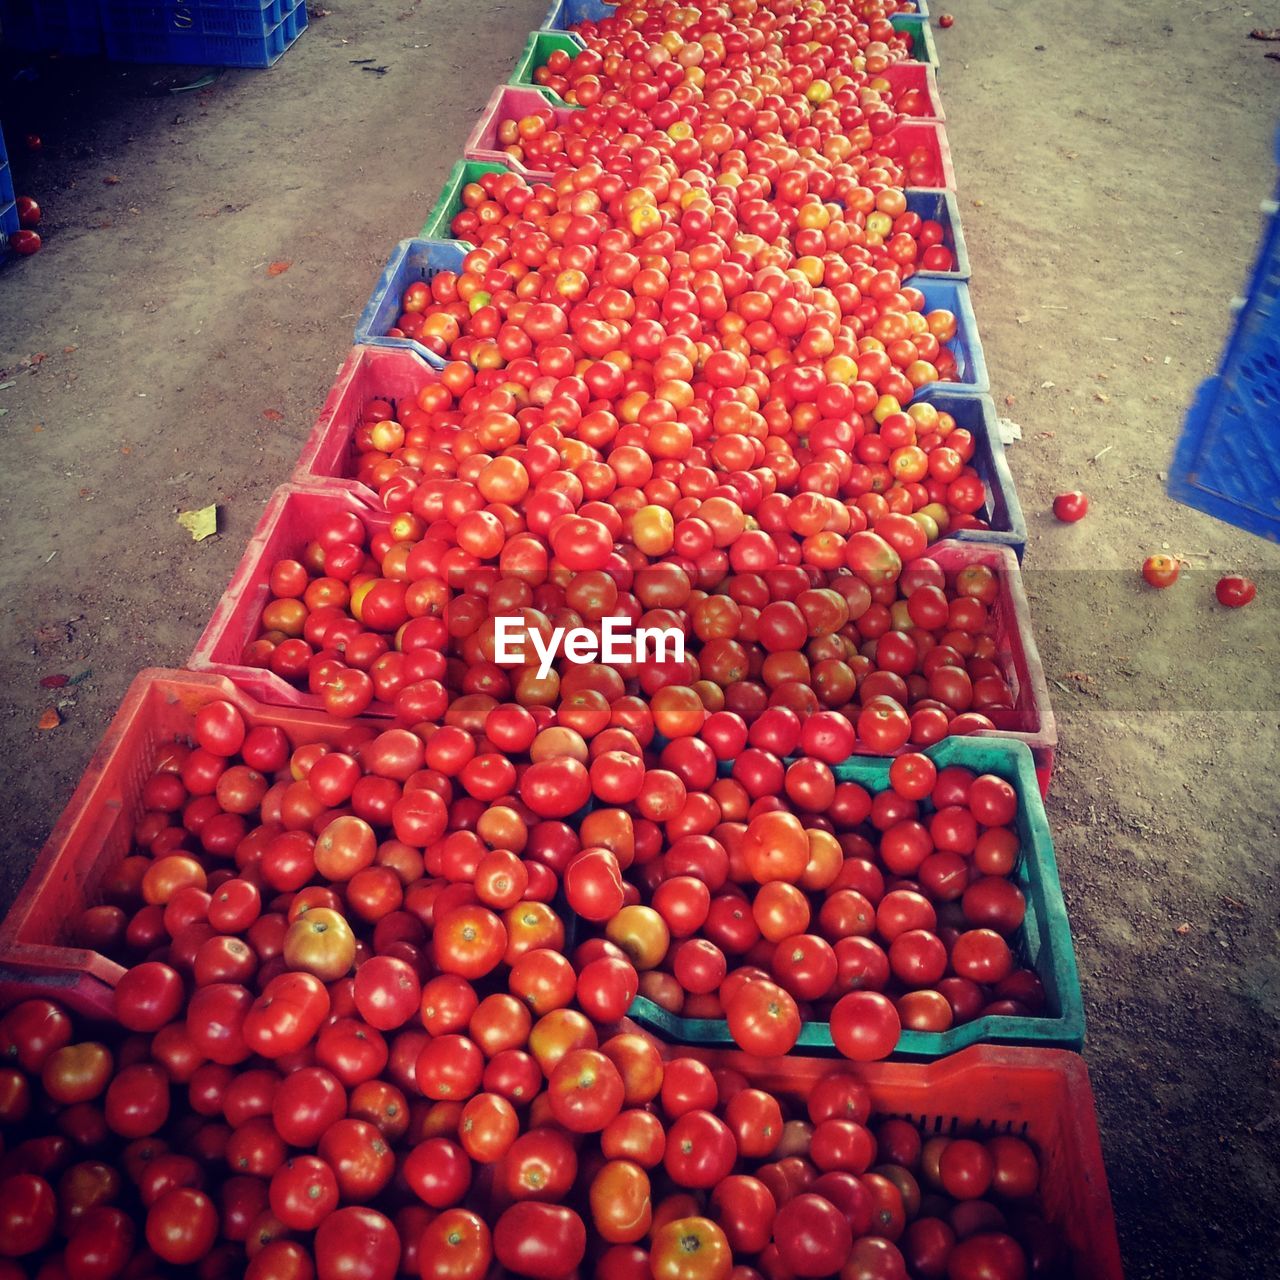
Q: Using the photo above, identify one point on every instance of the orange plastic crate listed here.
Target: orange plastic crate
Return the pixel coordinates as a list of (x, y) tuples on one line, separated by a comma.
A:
[(1042, 1095)]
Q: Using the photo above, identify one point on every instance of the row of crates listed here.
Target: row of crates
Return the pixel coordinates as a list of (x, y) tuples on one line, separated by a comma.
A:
[(1023, 1078), (226, 33)]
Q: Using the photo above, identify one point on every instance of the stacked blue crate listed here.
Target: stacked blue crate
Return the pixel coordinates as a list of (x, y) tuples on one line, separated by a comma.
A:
[(232, 33), (52, 26), (8, 206), (1227, 462)]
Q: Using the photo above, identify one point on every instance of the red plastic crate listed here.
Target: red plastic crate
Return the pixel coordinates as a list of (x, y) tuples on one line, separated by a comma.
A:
[(931, 135), (1042, 1095), (509, 102), (368, 373), (95, 831), (915, 75), (290, 521), (1016, 651)]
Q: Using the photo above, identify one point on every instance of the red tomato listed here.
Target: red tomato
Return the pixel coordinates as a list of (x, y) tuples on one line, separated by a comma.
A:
[(1069, 507), (989, 1255), (764, 1019), (182, 1226), (1235, 592), (356, 1243), (456, 1245), (865, 1026), (1161, 571), (813, 1237), (542, 1241), (700, 1150), (585, 1091), (28, 1214)]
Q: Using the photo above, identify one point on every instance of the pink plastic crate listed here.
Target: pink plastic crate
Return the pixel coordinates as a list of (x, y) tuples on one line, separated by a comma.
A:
[(509, 102), (1016, 651), (368, 373), (290, 521)]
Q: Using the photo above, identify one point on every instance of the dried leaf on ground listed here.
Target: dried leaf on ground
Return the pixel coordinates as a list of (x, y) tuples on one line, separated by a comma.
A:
[(200, 524)]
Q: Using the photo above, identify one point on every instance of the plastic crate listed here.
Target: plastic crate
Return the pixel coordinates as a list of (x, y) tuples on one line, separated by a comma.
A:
[(537, 49), (95, 830), (1227, 460), (421, 259), (368, 373), (83, 994), (916, 25), (511, 102), (412, 260), (289, 522), (942, 207), (1042, 1095), (8, 205), (930, 135), (971, 366), (1043, 943), (916, 75), (449, 202), (565, 14), (224, 35), (52, 26), (1002, 510)]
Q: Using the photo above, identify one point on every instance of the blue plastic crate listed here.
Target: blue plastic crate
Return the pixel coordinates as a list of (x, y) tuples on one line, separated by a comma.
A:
[(422, 259), (244, 34), (1002, 510), (6, 179), (936, 205), (916, 25), (412, 260), (564, 14), (52, 26), (1227, 461), (940, 292)]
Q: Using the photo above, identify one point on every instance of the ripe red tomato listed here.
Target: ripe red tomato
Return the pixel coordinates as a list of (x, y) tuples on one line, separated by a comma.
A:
[(1161, 571), (542, 1241), (865, 1026), (764, 1019), (456, 1245), (812, 1236), (1070, 507), (1235, 592), (357, 1243), (585, 1091), (182, 1226), (28, 1214)]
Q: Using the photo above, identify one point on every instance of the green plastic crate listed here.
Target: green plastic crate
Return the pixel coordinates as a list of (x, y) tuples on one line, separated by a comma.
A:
[(922, 47), (537, 49), (449, 201), (1043, 944)]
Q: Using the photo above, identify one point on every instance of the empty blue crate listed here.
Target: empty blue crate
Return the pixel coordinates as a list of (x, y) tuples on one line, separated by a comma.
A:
[(1227, 462), (412, 260), (235, 33)]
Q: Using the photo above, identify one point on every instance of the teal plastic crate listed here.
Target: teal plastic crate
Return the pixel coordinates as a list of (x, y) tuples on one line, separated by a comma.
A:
[(1043, 944), (916, 25)]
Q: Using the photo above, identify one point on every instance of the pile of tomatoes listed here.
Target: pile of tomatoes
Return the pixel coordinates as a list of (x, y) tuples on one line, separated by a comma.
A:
[(131, 1152)]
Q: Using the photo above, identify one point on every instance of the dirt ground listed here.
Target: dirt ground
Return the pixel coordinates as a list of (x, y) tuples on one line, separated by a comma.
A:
[(1111, 160)]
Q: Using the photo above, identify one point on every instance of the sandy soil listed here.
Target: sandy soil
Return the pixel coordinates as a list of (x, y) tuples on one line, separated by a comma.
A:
[(1111, 160)]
